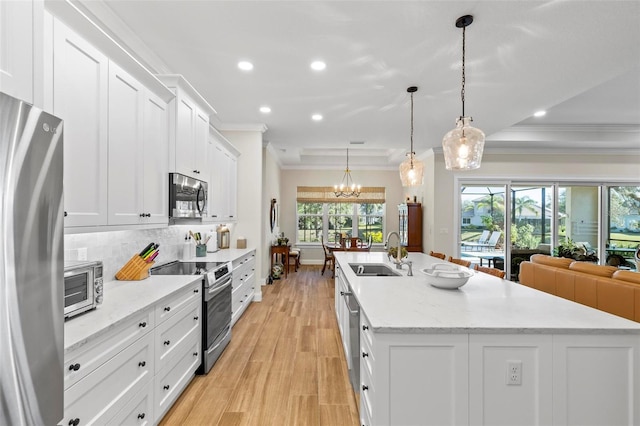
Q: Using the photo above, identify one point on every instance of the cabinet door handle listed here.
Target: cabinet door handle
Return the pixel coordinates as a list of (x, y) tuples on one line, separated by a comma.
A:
[(74, 422), (196, 290), (141, 416), (148, 215), (165, 387), (167, 309), (365, 387), (365, 327), (142, 324), (195, 171), (167, 342), (66, 214), (141, 215), (364, 354), (74, 367), (142, 364), (195, 354), (195, 318)]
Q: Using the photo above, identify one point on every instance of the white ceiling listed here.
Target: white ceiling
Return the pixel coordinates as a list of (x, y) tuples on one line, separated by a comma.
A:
[(579, 60)]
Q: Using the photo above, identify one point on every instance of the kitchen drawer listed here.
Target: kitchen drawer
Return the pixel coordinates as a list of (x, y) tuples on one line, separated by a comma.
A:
[(139, 410), (366, 393), (172, 335), (166, 308), (367, 356), (366, 332), (82, 361), (172, 379), (103, 393), (365, 418)]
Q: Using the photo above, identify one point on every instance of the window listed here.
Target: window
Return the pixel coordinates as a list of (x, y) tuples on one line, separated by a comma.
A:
[(319, 214), (334, 219)]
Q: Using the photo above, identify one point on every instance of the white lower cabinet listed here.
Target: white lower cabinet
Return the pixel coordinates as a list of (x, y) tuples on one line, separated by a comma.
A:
[(244, 282), (98, 397), (134, 372)]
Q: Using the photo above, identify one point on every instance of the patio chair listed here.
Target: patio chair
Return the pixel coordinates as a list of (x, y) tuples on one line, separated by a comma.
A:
[(482, 240), (493, 241)]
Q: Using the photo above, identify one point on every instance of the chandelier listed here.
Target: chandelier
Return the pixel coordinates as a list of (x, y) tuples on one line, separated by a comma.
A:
[(411, 169), (347, 188), (463, 145)]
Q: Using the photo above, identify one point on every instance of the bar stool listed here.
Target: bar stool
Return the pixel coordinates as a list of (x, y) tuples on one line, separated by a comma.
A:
[(294, 254)]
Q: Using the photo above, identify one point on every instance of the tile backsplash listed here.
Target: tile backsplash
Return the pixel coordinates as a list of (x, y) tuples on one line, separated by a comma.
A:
[(115, 248)]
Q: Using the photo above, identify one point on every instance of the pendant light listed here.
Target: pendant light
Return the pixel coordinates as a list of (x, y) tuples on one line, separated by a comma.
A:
[(347, 188), (411, 169), (463, 145)]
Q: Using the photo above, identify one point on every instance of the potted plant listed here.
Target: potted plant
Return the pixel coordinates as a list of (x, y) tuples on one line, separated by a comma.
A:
[(571, 250)]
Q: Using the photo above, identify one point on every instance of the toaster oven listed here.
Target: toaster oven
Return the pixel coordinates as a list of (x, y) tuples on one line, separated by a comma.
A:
[(82, 286)]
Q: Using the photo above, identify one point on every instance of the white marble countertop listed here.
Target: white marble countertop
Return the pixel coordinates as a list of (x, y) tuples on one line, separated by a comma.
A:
[(125, 298), (485, 304)]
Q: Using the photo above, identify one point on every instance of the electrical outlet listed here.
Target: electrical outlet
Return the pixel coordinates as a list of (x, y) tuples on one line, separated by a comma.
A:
[(514, 373), (82, 253)]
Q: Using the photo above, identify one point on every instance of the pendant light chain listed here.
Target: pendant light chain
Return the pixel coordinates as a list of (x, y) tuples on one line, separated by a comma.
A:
[(411, 154), (463, 64)]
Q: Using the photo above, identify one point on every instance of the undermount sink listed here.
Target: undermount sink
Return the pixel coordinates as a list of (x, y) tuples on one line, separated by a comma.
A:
[(373, 270)]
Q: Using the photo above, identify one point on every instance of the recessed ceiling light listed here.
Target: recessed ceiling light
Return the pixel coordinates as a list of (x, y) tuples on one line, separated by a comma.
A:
[(318, 65), (245, 65), (265, 109), (540, 113), (316, 117)]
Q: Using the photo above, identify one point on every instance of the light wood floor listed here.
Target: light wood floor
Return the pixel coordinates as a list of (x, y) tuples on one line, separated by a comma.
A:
[(284, 366)]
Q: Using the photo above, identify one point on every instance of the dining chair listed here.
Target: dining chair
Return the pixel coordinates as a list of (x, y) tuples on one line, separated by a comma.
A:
[(438, 255), (294, 255), (492, 271), (459, 261), (328, 257)]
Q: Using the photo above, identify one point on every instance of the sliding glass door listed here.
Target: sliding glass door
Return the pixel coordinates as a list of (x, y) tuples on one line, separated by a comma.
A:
[(623, 228)]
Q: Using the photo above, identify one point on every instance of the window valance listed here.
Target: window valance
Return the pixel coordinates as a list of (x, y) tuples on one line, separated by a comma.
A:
[(325, 194)]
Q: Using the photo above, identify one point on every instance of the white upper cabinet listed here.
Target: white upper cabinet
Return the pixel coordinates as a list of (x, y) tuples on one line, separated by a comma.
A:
[(188, 129), (80, 98), (138, 152), (224, 178), (126, 108), (20, 48)]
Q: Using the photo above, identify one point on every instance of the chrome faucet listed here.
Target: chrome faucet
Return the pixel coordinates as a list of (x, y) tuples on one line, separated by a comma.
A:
[(398, 260)]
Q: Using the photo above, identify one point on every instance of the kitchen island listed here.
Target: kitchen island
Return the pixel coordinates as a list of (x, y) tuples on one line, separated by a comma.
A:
[(491, 352)]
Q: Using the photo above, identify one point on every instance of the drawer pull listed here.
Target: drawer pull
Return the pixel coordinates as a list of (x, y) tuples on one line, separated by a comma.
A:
[(165, 387), (167, 342), (142, 363), (365, 387), (167, 309), (142, 324), (365, 327), (141, 416), (74, 422), (74, 367), (364, 354), (195, 354), (195, 318), (196, 290)]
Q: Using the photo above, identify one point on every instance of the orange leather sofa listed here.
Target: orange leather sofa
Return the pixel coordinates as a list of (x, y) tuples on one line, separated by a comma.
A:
[(599, 286)]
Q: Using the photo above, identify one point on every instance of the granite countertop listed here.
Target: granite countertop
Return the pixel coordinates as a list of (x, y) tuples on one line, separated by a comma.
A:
[(125, 298), (485, 304)]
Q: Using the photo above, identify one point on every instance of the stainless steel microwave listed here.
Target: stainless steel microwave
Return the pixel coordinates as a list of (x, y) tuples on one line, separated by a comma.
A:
[(82, 286), (187, 197)]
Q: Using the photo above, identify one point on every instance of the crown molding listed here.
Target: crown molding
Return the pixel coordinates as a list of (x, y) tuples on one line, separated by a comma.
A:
[(242, 127)]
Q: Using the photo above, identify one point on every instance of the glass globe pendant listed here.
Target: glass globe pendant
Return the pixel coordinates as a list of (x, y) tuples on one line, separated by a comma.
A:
[(412, 169), (463, 145)]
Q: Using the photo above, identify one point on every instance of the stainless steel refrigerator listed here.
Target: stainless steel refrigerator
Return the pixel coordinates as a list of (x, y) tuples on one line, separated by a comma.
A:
[(31, 265)]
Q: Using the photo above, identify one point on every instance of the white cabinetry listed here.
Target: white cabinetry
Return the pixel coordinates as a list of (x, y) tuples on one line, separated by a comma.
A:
[(223, 205), (244, 281), (138, 150), (80, 82), (189, 128), (20, 48), (110, 380), (342, 312)]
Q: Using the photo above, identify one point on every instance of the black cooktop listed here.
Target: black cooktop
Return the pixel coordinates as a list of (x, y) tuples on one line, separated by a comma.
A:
[(185, 268)]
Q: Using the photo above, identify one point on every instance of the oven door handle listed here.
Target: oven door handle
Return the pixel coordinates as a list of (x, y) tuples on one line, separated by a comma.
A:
[(215, 290)]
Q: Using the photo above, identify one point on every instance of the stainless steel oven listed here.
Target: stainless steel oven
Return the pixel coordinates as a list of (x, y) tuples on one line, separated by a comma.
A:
[(216, 304), (82, 286)]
